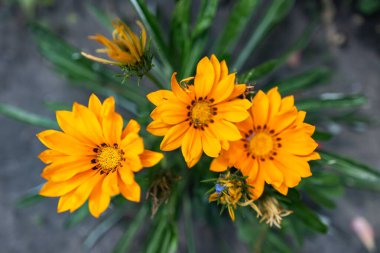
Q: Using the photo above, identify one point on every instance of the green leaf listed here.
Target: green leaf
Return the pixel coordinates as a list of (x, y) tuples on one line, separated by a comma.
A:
[(321, 198), (26, 117), (276, 243), (154, 243), (352, 172), (235, 25), (205, 18), (322, 136), (309, 217), (189, 230), (199, 36), (30, 198), (180, 31), (271, 65), (77, 217), (125, 240), (102, 16), (276, 12), (305, 80), (340, 101), (103, 227), (156, 32), (368, 7)]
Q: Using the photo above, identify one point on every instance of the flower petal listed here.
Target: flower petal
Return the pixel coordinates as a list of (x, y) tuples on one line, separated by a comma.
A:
[(150, 158), (173, 138), (204, 78)]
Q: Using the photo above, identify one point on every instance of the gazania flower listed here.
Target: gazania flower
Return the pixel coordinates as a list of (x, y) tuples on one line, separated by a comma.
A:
[(126, 49), (200, 116), (276, 145), (93, 157)]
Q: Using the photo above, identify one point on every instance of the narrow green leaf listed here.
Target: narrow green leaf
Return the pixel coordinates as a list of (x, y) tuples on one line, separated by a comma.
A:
[(205, 18), (26, 117), (276, 243), (103, 227), (154, 243), (320, 197), (30, 198), (199, 36), (276, 12), (351, 169), (322, 136), (103, 18), (235, 25), (77, 217), (189, 230), (156, 32), (305, 80), (271, 65), (180, 31), (309, 217), (125, 240), (312, 104)]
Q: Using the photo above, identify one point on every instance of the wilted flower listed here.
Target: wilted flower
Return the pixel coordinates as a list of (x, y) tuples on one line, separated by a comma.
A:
[(271, 211), (93, 157), (127, 50), (276, 146), (199, 117)]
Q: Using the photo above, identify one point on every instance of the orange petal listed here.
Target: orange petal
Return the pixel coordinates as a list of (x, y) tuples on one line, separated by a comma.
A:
[(150, 158), (159, 97), (219, 164), (173, 138), (99, 200), (223, 89), (132, 127), (158, 128), (131, 191), (204, 78), (191, 145)]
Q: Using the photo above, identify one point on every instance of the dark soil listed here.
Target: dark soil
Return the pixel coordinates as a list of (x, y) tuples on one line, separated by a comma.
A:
[(28, 81)]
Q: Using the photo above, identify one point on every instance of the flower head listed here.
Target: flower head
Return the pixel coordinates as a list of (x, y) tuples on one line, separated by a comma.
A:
[(231, 191), (271, 211), (199, 117), (93, 157), (276, 145), (126, 49)]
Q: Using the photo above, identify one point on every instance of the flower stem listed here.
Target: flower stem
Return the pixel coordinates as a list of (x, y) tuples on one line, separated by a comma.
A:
[(154, 80)]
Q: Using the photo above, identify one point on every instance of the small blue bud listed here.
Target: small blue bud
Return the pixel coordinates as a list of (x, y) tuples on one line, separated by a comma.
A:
[(219, 188)]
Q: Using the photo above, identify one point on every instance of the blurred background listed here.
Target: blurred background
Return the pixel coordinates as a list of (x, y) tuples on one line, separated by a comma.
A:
[(347, 40)]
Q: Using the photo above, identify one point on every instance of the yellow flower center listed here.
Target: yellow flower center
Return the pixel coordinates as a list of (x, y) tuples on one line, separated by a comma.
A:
[(108, 158), (261, 144), (201, 112)]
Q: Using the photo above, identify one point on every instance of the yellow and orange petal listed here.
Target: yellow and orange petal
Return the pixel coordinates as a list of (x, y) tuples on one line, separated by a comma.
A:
[(93, 158), (126, 48), (276, 145), (199, 117)]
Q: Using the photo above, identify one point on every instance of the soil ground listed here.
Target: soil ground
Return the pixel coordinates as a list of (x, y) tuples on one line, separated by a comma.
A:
[(28, 81)]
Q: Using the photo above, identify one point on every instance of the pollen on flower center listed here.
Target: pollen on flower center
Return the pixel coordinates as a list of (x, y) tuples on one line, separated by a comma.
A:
[(261, 144), (108, 158), (201, 112)]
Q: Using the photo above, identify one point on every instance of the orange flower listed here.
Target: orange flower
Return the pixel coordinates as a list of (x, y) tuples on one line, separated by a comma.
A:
[(125, 49), (93, 157), (276, 146), (199, 117)]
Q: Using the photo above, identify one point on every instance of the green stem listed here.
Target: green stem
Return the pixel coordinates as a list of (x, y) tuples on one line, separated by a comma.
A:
[(155, 80), (188, 225), (261, 238)]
